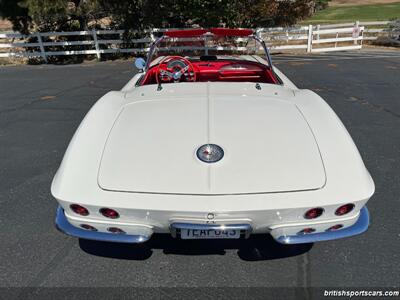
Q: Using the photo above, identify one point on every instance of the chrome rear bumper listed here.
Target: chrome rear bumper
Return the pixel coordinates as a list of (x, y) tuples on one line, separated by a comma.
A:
[(142, 234), (360, 226), (64, 226)]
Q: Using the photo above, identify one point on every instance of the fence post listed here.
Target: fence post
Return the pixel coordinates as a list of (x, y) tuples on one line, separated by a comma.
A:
[(318, 28), (42, 50), (362, 38), (356, 32), (310, 38), (337, 36), (96, 43)]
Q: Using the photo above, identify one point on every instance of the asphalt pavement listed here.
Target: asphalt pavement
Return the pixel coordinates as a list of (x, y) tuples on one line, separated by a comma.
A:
[(41, 107)]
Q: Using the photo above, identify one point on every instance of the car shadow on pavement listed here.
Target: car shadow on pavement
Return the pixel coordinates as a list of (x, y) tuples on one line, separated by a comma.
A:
[(256, 248)]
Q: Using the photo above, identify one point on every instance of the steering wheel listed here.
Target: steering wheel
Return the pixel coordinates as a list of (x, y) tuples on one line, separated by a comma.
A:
[(174, 68)]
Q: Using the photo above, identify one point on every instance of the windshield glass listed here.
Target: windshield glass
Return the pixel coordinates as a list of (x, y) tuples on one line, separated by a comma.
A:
[(209, 46), (214, 55)]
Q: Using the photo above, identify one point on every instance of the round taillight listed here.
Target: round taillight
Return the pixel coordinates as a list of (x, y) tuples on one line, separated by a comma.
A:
[(344, 209), (115, 230), (306, 230), (335, 227), (314, 213), (78, 209), (109, 213), (88, 227)]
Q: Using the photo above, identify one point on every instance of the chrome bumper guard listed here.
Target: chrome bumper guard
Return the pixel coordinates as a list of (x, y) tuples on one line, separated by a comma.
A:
[(359, 227), (64, 226), (175, 228)]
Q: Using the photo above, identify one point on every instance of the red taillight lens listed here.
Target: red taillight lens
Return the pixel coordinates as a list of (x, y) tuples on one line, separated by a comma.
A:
[(88, 227), (109, 213), (115, 230), (306, 230), (335, 227), (344, 209), (78, 209), (314, 213)]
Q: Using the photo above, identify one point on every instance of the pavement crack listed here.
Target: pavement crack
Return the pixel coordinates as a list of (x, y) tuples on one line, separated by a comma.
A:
[(51, 266), (11, 109), (374, 107), (61, 92), (303, 277)]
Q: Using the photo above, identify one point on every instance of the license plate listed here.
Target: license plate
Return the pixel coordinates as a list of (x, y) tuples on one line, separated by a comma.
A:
[(191, 234)]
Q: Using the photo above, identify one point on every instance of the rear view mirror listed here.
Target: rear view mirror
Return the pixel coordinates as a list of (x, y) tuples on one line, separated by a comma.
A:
[(140, 63)]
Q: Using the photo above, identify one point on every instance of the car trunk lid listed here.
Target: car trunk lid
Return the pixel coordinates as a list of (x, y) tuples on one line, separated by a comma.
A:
[(268, 146)]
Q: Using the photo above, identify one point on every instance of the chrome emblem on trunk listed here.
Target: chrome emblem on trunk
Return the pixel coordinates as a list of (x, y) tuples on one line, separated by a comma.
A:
[(210, 153)]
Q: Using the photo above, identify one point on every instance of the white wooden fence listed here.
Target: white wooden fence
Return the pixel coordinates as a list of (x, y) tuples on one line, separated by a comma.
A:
[(324, 38), (93, 38), (320, 38)]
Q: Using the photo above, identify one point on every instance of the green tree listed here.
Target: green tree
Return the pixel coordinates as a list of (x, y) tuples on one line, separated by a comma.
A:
[(138, 15), (18, 15), (45, 15), (142, 14), (289, 12)]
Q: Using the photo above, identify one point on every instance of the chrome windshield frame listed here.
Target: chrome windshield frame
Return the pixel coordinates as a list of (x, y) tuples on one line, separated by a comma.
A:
[(165, 36)]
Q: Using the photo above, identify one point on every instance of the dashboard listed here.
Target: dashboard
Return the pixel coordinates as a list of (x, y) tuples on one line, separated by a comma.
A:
[(178, 69)]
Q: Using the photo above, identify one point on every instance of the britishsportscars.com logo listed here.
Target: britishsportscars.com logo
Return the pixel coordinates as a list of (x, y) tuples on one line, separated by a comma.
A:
[(361, 293)]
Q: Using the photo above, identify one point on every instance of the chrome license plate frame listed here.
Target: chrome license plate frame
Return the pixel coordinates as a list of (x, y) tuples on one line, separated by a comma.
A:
[(200, 234), (235, 230)]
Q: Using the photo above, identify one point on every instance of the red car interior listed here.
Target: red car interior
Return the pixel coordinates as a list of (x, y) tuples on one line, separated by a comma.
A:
[(223, 70)]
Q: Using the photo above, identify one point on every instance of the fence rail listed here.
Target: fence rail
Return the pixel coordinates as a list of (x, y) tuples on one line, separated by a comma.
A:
[(312, 38)]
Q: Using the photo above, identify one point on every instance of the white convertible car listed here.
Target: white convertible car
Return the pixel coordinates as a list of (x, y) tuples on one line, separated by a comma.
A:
[(210, 141)]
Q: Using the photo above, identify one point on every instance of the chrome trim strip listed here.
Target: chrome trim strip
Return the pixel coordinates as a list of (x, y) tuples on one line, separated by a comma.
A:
[(264, 45), (151, 50), (316, 222), (64, 226), (359, 227), (178, 226)]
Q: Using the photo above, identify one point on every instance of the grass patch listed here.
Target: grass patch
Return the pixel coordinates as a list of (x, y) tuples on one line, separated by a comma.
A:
[(376, 12)]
